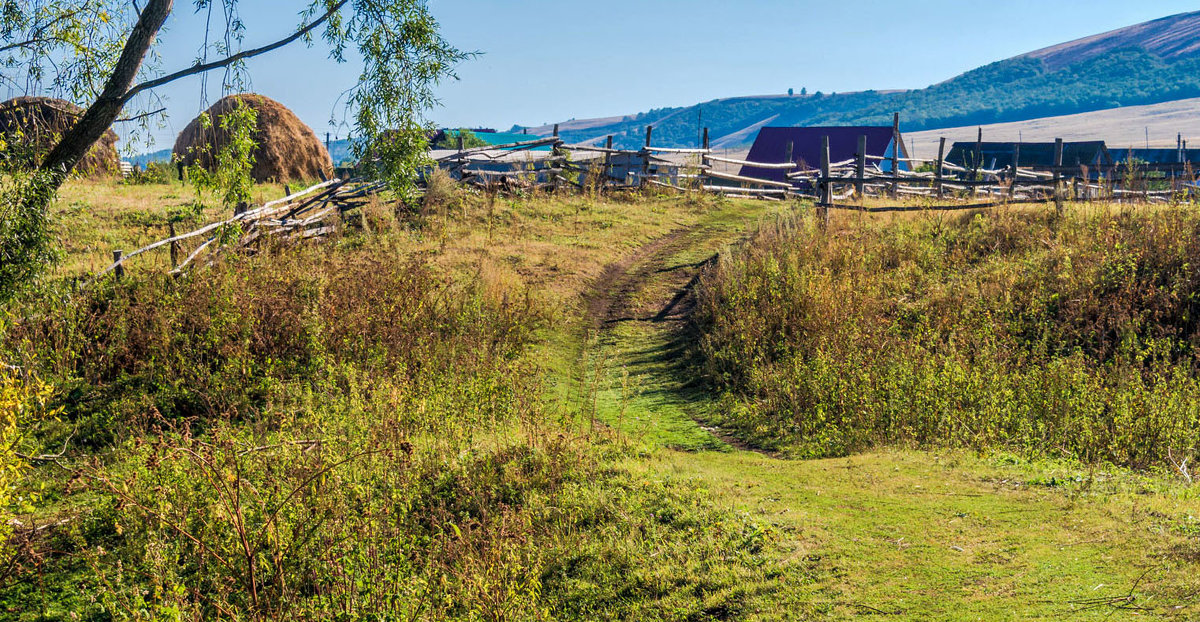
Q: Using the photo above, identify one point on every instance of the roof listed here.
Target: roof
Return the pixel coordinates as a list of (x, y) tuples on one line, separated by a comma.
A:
[(1157, 156), (770, 147), (999, 155)]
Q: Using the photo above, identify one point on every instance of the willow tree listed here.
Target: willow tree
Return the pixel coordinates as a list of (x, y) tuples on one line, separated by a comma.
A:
[(100, 55)]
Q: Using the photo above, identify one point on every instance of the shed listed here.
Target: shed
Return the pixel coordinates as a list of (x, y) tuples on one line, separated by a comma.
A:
[(771, 146), (999, 155)]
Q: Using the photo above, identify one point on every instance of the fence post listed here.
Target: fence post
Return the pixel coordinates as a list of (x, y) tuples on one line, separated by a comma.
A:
[(1012, 184), (860, 167), (1058, 160), (937, 172), (174, 245), (978, 159), (824, 186), (646, 154), (608, 159), (119, 270), (705, 143), (895, 154)]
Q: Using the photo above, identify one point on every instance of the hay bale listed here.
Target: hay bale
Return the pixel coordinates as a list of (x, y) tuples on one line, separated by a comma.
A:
[(287, 149), (40, 122)]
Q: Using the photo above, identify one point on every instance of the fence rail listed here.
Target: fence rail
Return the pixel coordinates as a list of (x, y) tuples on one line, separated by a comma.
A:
[(953, 186)]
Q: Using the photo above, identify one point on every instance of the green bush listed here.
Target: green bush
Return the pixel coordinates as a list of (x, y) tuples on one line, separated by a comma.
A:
[(1009, 329)]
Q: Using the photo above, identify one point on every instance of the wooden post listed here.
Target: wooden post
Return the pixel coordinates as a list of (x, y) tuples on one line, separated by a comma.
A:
[(937, 171), (608, 158), (978, 156), (1012, 184), (174, 245), (646, 154), (1058, 160), (895, 153), (118, 256), (824, 187), (860, 167), (705, 139)]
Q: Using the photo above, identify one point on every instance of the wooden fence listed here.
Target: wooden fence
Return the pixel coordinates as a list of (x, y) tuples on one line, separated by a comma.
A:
[(941, 184)]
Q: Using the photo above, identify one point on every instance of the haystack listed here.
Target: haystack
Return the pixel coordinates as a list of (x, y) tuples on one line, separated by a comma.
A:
[(39, 122), (287, 148)]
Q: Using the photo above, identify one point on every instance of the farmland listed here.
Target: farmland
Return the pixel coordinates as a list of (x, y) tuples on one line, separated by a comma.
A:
[(597, 405)]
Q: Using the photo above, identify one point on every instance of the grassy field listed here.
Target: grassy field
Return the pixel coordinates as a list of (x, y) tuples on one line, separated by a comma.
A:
[(498, 408)]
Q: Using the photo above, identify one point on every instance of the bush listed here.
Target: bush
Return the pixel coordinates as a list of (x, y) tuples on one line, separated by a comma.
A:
[(26, 244), (994, 330)]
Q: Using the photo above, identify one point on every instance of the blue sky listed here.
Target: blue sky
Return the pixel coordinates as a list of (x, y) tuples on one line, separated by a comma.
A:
[(550, 60)]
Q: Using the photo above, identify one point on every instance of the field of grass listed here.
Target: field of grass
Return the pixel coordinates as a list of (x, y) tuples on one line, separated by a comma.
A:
[(503, 408)]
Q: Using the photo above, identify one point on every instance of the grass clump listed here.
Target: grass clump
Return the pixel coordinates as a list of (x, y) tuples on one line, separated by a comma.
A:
[(1011, 329)]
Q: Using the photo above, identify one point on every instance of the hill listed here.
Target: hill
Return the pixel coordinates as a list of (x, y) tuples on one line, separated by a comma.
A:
[(1149, 63), (1155, 125)]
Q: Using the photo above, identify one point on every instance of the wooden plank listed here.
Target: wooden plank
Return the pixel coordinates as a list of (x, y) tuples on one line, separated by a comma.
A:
[(748, 180), (763, 165), (673, 150)]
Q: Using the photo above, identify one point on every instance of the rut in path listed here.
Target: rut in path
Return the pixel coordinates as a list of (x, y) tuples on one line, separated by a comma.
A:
[(636, 326)]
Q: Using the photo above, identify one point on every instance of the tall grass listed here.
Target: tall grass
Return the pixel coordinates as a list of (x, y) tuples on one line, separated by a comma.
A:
[(333, 432), (1007, 329)]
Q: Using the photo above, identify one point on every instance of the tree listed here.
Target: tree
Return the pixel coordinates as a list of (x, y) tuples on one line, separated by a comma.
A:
[(94, 52), (791, 92), (449, 140)]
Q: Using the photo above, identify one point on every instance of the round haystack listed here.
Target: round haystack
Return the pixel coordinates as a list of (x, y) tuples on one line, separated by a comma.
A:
[(287, 148), (40, 122)]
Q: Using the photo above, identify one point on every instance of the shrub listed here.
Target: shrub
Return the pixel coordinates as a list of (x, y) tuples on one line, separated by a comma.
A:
[(1001, 329)]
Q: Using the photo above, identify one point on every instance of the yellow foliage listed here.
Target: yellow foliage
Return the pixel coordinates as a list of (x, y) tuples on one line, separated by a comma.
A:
[(21, 398)]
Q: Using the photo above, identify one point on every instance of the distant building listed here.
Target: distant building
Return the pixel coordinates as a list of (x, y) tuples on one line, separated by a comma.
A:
[(771, 147), (999, 155), (1158, 156)]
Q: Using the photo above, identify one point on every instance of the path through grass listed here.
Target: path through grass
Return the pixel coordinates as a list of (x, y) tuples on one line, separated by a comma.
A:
[(917, 535)]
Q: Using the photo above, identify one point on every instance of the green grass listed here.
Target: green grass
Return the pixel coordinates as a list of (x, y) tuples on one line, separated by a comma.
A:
[(929, 535), (528, 458)]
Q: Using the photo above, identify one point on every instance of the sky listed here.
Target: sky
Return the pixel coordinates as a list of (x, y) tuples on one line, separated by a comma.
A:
[(543, 61)]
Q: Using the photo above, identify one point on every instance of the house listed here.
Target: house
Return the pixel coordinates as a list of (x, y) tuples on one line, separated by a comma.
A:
[(772, 144), (999, 155)]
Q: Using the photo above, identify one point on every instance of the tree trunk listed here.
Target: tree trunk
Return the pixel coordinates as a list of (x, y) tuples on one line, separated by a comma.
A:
[(100, 116)]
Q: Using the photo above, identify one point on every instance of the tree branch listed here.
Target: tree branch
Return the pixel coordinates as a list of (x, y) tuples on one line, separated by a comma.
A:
[(139, 116), (240, 56)]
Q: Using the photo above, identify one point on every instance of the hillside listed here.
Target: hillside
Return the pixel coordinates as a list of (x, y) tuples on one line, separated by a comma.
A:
[(1155, 125), (1150, 63)]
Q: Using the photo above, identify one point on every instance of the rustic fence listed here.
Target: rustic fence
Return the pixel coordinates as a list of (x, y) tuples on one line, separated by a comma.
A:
[(938, 184), (310, 213)]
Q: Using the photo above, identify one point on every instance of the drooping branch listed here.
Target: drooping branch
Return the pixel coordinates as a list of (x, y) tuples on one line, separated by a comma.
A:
[(100, 116), (240, 56)]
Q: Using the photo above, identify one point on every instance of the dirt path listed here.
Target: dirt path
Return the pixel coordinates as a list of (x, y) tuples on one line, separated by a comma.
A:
[(925, 536)]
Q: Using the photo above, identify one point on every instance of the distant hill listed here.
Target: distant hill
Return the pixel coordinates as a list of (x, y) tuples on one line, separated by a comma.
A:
[(162, 155), (1150, 63)]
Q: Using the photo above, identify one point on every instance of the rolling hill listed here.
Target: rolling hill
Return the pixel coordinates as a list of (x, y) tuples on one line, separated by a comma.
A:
[(1149, 63)]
